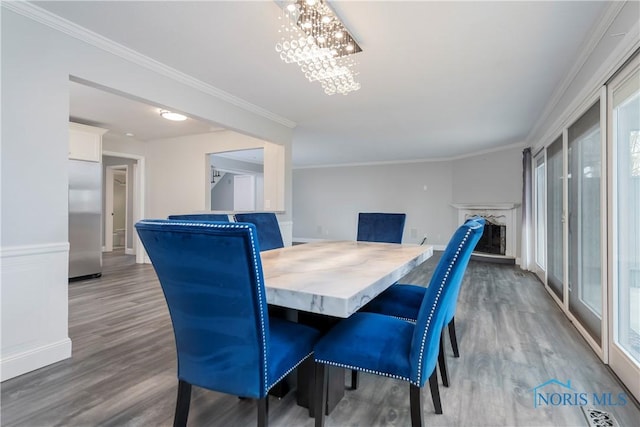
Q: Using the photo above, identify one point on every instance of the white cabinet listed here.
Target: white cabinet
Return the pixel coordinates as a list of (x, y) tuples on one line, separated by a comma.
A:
[(85, 142)]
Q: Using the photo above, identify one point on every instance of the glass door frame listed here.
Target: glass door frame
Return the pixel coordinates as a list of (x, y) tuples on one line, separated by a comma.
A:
[(618, 359), (563, 280), (600, 348), (539, 270)]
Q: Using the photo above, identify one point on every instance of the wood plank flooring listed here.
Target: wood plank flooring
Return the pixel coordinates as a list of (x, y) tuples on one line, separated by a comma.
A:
[(512, 337)]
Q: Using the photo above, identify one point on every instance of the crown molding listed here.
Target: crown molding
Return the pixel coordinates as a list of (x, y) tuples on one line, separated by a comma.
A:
[(426, 160), (609, 15), (590, 93), (65, 26)]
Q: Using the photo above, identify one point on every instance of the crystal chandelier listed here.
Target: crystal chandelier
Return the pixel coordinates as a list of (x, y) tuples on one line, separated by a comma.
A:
[(314, 38)]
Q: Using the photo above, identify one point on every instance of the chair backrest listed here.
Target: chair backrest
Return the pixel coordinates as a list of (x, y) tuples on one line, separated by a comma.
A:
[(268, 228), (452, 307), (438, 298), (380, 227), (201, 217), (211, 276)]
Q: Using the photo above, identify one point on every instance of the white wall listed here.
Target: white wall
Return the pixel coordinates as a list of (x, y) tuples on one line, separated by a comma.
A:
[(494, 177), (178, 169), (121, 144), (37, 62), (326, 201)]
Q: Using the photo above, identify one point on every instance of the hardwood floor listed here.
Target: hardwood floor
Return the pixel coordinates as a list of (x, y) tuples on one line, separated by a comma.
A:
[(512, 338)]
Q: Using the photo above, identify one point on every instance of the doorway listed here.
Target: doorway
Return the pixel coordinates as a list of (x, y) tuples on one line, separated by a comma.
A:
[(623, 114), (123, 173), (116, 207)]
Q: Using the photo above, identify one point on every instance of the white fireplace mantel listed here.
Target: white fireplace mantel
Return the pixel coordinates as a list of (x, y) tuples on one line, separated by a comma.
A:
[(504, 213)]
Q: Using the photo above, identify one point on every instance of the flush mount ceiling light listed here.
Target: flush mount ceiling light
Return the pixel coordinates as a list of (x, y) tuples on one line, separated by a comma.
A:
[(314, 38), (172, 116)]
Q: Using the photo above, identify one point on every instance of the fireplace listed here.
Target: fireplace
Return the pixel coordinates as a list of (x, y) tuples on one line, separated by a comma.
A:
[(493, 239), (500, 232)]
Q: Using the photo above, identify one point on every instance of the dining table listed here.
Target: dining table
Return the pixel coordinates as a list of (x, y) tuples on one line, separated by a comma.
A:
[(336, 278), (321, 282)]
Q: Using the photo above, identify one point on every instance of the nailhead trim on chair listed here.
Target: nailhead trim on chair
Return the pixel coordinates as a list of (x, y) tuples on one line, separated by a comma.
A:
[(287, 373), (260, 297), (357, 368), (406, 319), (258, 277), (442, 283)]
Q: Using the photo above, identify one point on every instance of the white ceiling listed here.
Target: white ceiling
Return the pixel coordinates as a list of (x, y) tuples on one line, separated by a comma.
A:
[(121, 115), (439, 79)]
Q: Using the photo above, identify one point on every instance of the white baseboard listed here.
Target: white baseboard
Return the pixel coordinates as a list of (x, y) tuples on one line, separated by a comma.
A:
[(129, 251), (34, 358)]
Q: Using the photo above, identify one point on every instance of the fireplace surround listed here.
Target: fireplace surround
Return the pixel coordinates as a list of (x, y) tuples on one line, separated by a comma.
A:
[(500, 235)]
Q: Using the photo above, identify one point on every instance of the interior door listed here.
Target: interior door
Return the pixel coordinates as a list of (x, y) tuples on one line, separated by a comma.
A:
[(120, 208), (244, 193), (108, 209), (623, 100)]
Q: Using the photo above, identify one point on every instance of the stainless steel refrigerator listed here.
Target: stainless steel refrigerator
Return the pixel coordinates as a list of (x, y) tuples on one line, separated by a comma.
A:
[(85, 219)]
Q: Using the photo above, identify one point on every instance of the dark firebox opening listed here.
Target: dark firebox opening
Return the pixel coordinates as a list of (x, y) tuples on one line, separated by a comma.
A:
[(493, 240)]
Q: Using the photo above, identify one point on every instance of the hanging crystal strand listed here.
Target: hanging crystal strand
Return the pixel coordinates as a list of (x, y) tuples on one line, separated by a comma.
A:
[(313, 37)]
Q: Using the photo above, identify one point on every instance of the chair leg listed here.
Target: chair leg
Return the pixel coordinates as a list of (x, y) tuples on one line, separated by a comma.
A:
[(452, 337), (442, 362), (415, 402), (182, 405), (320, 402), (263, 411), (354, 380), (435, 393)]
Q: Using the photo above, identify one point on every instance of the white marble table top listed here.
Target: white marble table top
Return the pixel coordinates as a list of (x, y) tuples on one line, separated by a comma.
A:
[(336, 278)]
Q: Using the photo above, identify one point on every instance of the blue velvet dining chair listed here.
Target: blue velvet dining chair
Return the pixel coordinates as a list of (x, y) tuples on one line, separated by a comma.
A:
[(380, 227), (268, 228), (392, 347), (211, 276), (403, 301), (201, 217)]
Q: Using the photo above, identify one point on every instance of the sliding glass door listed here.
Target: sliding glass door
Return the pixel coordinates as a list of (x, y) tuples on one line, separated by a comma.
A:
[(539, 191), (584, 175), (587, 222), (555, 218), (624, 228), (572, 229)]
